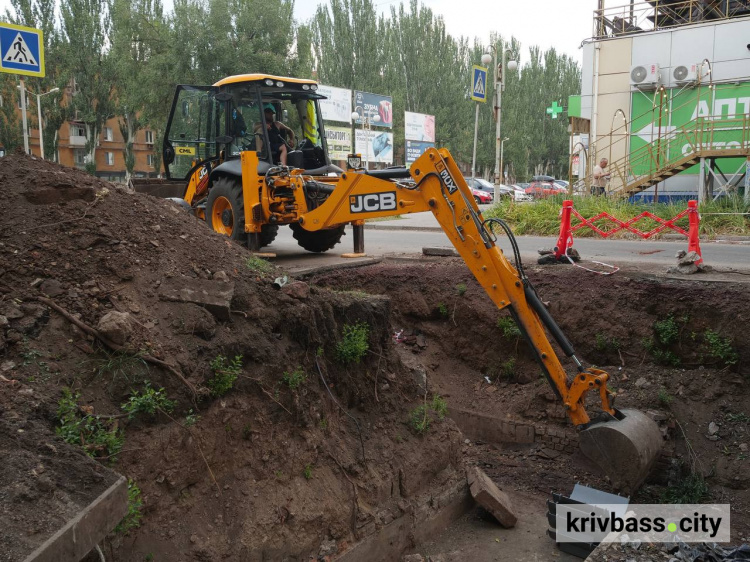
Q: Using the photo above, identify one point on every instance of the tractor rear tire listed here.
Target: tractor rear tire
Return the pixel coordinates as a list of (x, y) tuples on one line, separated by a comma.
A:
[(318, 240), (225, 210), (268, 234)]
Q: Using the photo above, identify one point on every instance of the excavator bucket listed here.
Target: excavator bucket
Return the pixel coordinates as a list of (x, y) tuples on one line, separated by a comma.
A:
[(624, 449)]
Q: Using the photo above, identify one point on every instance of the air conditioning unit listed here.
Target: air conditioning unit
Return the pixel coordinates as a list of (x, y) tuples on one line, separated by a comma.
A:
[(645, 76), (685, 73)]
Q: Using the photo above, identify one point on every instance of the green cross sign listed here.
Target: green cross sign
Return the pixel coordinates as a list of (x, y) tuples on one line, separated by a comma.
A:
[(554, 110)]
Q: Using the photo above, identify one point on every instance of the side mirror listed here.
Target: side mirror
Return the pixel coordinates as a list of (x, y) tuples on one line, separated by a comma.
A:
[(285, 116), (168, 155)]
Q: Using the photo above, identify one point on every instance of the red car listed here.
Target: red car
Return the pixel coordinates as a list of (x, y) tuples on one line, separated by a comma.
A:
[(481, 197), (541, 189)]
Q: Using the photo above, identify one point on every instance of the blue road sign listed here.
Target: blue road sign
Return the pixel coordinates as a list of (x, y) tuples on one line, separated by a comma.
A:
[(479, 83), (21, 50)]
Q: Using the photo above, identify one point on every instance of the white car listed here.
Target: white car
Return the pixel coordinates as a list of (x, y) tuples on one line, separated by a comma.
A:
[(519, 194)]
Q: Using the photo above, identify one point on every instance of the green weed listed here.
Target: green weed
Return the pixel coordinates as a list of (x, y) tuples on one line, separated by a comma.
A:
[(508, 327), (737, 418), (147, 402), (119, 365), (191, 418), (508, 369), (323, 424), (354, 343), (420, 419), (258, 265), (662, 356), (308, 472), (225, 374), (132, 519), (443, 310), (247, 432), (439, 406), (295, 379), (691, 489), (721, 348), (461, 288), (667, 331), (98, 438)]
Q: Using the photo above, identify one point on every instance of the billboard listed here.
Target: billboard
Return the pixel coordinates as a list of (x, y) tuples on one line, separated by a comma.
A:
[(367, 104), (338, 106), (415, 149), (378, 149), (339, 140), (419, 127)]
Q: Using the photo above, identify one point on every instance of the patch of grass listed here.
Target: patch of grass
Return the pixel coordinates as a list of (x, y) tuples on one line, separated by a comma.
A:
[(295, 379), (132, 519), (354, 343), (508, 327), (147, 402), (225, 374), (737, 418), (439, 406), (461, 288), (667, 331), (691, 489), (443, 310), (720, 348), (323, 424), (97, 437), (258, 265), (308, 472), (119, 365), (664, 397), (660, 355), (601, 342)]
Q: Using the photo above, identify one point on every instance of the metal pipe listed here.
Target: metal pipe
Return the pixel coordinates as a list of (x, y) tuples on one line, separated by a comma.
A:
[(23, 114), (476, 134)]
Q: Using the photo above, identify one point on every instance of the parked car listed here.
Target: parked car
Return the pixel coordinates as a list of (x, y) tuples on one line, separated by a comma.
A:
[(519, 192), (487, 187), (481, 197), (541, 189), (562, 183)]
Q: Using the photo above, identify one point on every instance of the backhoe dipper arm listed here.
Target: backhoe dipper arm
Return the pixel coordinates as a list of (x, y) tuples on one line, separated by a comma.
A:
[(439, 187)]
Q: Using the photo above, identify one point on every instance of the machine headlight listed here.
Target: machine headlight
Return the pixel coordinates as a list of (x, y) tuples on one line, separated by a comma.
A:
[(313, 87), (269, 82), (305, 86), (280, 84)]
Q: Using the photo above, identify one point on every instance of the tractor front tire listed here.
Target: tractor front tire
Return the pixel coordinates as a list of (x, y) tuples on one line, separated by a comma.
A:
[(318, 240), (225, 210)]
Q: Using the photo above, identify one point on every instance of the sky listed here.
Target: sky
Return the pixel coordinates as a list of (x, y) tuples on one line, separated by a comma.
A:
[(547, 23)]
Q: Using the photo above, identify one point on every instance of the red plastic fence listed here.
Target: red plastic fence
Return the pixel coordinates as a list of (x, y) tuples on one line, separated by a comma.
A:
[(565, 240)]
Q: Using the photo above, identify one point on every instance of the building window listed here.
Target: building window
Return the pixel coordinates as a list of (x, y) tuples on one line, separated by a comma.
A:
[(79, 156), (150, 160), (77, 130), (107, 133), (110, 158), (149, 136)]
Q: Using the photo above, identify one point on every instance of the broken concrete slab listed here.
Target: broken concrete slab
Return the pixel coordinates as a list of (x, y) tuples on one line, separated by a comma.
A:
[(490, 497), (214, 296), (437, 251)]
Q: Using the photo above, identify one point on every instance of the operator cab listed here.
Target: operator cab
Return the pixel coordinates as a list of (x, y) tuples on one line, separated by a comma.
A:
[(278, 118)]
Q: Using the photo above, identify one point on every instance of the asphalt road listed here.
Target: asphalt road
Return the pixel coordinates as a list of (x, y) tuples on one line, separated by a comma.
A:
[(388, 240)]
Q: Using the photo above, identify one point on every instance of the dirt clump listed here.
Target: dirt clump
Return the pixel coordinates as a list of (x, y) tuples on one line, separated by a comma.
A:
[(249, 438)]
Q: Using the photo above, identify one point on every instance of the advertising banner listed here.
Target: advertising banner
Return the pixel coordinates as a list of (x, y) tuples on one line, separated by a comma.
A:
[(419, 127), (415, 149), (369, 105), (378, 149), (339, 142), (338, 106)]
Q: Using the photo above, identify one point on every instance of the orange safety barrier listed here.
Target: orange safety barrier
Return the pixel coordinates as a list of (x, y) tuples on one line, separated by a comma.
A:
[(565, 240)]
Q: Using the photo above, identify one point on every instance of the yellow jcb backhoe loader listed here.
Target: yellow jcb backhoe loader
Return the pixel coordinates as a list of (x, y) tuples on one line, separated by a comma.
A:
[(226, 151)]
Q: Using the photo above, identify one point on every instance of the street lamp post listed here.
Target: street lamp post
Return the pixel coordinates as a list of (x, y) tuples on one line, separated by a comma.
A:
[(24, 91), (367, 119), (39, 115), (486, 59), (502, 172), (499, 87)]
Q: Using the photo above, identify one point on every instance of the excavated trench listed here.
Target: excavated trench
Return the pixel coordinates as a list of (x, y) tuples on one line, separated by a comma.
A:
[(311, 454)]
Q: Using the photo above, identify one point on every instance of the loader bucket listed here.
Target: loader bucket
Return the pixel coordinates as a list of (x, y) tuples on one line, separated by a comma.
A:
[(624, 449)]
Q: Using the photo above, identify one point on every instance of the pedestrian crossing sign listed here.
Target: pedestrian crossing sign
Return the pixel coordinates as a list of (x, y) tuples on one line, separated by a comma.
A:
[(21, 50), (479, 83)]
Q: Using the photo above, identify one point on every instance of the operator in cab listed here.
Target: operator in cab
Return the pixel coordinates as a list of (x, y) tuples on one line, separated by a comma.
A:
[(276, 133)]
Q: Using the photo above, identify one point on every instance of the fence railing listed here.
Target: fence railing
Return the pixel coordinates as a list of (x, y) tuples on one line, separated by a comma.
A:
[(650, 15)]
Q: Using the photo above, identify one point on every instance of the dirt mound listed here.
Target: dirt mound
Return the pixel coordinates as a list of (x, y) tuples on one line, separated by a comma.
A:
[(104, 291)]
